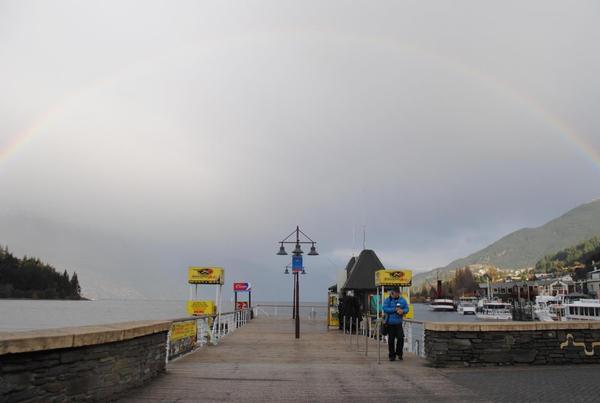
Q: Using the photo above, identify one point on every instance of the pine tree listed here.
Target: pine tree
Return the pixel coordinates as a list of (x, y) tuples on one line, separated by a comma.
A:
[(76, 289), (31, 278)]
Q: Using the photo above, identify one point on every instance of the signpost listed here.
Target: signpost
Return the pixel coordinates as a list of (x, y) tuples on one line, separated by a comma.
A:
[(397, 278), (242, 288), (297, 264), (196, 308), (209, 276), (206, 275), (401, 279)]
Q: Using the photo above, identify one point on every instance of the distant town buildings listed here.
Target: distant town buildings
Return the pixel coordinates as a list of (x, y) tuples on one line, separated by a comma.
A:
[(512, 290), (593, 282)]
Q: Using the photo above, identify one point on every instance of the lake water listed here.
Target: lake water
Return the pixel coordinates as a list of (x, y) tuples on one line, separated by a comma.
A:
[(18, 315)]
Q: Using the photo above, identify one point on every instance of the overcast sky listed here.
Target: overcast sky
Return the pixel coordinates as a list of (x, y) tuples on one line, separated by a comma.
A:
[(137, 138)]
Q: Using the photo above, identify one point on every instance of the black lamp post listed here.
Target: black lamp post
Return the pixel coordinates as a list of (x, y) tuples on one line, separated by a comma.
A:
[(287, 271), (297, 267)]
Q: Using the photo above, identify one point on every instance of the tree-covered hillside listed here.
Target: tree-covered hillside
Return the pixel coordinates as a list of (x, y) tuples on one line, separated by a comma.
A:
[(525, 247), (30, 278), (582, 254)]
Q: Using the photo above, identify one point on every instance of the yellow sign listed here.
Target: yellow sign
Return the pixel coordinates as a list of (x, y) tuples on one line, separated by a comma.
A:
[(182, 330), (334, 319), (200, 307), (401, 278), (332, 310), (206, 275), (411, 312)]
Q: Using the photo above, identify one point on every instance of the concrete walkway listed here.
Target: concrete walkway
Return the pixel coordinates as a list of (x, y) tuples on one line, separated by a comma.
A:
[(263, 362)]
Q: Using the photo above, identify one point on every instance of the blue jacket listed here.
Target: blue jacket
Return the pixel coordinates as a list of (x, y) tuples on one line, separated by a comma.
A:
[(389, 308)]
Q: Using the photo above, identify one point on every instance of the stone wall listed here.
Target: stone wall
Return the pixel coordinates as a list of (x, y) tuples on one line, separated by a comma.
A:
[(99, 364), (485, 344)]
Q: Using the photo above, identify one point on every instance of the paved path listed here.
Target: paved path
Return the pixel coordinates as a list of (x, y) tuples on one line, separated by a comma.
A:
[(263, 362), (547, 384)]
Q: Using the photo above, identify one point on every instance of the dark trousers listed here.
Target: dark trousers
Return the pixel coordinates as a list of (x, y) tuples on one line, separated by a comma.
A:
[(395, 340)]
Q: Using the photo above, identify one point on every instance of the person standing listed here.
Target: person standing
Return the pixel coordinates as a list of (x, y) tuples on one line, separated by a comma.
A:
[(395, 307)]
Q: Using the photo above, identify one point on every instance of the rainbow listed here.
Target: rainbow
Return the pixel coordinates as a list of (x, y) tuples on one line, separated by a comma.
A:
[(44, 120), (568, 133)]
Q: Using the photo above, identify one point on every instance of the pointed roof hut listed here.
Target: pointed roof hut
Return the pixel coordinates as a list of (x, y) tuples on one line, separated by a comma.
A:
[(361, 276), (350, 265)]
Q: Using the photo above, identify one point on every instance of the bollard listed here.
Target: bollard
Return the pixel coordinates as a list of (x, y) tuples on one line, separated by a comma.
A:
[(378, 330), (350, 336), (357, 330), (344, 328), (368, 335)]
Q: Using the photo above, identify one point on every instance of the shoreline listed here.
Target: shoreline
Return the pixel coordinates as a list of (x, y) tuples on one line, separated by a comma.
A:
[(46, 299)]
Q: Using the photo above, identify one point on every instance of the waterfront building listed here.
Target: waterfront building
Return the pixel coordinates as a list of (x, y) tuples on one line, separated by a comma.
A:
[(593, 282), (528, 290), (511, 290)]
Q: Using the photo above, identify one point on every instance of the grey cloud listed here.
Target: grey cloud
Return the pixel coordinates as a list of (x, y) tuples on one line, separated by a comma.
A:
[(201, 133)]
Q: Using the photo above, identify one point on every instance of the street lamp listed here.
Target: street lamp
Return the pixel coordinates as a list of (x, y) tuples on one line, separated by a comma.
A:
[(287, 271), (297, 266), (282, 251)]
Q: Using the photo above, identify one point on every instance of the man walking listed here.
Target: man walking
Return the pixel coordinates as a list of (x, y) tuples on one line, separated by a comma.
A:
[(395, 307)]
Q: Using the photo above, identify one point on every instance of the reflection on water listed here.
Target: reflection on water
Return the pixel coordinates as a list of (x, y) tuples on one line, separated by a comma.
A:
[(422, 312)]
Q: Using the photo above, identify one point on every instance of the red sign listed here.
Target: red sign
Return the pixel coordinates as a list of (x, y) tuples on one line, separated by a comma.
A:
[(241, 287), (241, 305)]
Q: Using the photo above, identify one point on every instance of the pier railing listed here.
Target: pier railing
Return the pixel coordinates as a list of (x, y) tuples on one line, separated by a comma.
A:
[(414, 337), (190, 333), (362, 331), (308, 311)]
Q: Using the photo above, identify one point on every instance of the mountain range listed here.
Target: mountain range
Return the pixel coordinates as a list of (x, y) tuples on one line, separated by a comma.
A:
[(525, 247)]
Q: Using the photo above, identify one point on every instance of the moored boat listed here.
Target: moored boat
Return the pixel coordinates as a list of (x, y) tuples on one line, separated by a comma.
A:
[(583, 309), (442, 305), (467, 306), (495, 310), (549, 308)]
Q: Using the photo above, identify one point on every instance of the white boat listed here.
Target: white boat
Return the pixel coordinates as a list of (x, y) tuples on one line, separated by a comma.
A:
[(549, 308), (442, 305), (494, 310), (467, 306), (583, 309)]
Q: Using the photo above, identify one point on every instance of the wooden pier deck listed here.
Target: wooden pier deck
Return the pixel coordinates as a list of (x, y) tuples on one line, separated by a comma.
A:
[(263, 362)]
